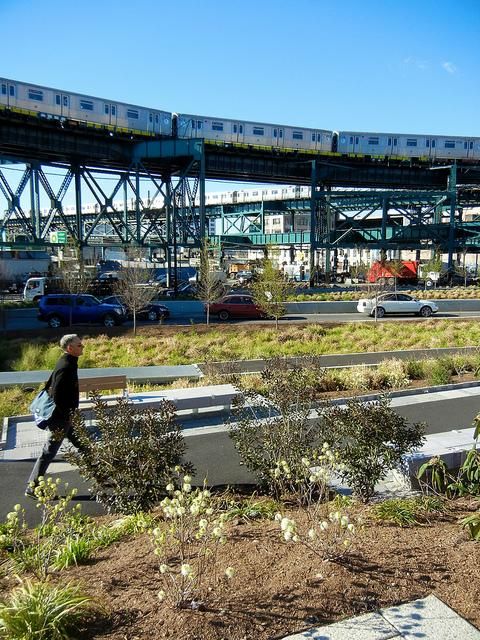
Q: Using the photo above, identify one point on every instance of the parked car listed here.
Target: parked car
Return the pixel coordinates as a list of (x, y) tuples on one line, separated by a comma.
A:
[(152, 311), (104, 284), (77, 308), (451, 280), (244, 276), (235, 306), (183, 289), (396, 303)]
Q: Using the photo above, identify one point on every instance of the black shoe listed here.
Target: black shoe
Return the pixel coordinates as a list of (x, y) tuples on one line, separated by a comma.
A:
[(30, 493)]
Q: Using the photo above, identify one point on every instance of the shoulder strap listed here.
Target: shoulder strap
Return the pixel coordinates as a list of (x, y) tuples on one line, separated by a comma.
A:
[(48, 382)]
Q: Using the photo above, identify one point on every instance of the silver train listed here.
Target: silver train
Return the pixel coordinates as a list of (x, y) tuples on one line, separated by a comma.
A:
[(57, 104)]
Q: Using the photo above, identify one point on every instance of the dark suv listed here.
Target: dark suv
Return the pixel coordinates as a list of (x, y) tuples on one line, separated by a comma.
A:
[(78, 308)]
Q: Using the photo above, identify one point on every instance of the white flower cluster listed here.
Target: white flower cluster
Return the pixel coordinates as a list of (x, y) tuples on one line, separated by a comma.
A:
[(288, 528)]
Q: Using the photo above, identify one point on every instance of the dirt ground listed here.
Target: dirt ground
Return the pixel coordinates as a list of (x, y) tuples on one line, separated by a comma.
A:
[(280, 588)]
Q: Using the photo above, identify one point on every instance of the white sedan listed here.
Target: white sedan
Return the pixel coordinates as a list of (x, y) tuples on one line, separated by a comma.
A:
[(396, 303)]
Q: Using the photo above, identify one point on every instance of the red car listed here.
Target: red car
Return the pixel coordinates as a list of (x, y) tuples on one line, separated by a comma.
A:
[(235, 306)]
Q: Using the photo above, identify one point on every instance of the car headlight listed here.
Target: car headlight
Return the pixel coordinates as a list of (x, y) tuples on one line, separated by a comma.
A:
[(118, 310)]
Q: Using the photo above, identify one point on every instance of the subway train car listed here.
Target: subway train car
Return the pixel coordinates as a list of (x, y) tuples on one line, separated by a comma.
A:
[(408, 145), (253, 133), (62, 105)]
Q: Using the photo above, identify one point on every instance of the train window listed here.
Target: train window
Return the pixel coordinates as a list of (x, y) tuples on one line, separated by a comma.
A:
[(389, 142), (427, 142), (313, 137), (240, 128), (471, 145), (107, 109), (150, 117), (86, 105), (34, 94), (297, 135), (433, 144), (4, 89), (395, 142), (217, 126), (275, 133), (114, 110), (258, 131), (132, 113), (411, 142), (12, 90), (254, 193), (57, 99), (372, 140), (465, 144), (319, 137), (234, 128), (65, 101), (199, 124), (156, 118), (449, 144)]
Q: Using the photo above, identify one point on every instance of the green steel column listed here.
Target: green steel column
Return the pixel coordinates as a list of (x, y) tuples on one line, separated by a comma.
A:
[(452, 187), (168, 225), (35, 201), (202, 197), (313, 222), (78, 203), (125, 209), (138, 235), (385, 204)]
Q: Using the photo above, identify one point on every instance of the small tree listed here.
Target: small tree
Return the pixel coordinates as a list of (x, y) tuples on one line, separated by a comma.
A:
[(273, 431), (270, 291), (132, 454), (133, 286), (73, 272), (370, 439), (209, 287)]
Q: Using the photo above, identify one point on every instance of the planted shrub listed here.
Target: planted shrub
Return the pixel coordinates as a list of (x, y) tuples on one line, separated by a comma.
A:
[(274, 428), (415, 369), (130, 455), (441, 371), (370, 439)]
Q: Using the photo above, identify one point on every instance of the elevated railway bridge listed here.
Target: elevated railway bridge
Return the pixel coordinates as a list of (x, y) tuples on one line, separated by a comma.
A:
[(371, 201)]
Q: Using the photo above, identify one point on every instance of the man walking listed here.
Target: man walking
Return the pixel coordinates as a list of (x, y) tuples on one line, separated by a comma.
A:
[(62, 386)]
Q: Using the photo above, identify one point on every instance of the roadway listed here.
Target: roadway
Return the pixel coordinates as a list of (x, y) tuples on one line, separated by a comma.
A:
[(26, 319)]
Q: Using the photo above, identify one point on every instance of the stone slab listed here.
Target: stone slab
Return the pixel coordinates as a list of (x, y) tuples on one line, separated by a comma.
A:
[(431, 619), (371, 626)]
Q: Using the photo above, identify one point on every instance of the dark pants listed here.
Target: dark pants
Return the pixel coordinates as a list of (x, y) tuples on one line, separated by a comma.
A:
[(60, 429)]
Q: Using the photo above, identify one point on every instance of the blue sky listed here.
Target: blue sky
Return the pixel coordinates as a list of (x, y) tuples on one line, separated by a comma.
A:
[(393, 65)]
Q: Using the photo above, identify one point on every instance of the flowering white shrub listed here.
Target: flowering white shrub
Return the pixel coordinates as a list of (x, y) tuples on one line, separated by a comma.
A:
[(13, 530), (187, 544), (328, 538), (310, 478)]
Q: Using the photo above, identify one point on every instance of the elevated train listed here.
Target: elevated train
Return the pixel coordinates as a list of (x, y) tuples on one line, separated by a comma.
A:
[(76, 108)]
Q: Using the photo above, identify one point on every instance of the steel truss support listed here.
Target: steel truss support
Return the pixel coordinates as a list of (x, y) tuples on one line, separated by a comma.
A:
[(173, 216)]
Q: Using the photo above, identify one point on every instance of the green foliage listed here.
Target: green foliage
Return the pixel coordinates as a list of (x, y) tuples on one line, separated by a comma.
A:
[(415, 369), (472, 525), (251, 508), (441, 371), (370, 439), (128, 473), (270, 290), (40, 611), (433, 475), (406, 512), (274, 429)]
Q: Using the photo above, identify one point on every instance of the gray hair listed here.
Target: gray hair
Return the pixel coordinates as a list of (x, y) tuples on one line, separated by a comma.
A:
[(68, 339)]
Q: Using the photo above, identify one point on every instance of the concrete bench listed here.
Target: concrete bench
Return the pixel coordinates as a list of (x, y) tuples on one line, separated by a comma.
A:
[(190, 401), (102, 383)]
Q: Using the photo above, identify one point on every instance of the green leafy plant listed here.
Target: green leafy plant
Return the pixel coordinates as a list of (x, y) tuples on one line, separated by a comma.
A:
[(406, 512), (441, 371), (274, 428), (40, 611), (370, 439), (131, 455), (472, 524), (270, 290), (434, 475), (251, 508)]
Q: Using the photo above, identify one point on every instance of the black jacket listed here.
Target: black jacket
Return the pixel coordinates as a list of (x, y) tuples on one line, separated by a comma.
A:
[(63, 384)]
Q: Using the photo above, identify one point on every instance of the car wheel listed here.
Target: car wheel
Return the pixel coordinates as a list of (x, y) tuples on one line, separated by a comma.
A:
[(152, 315), (224, 315), (425, 312), (54, 322), (109, 321), (429, 283), (378, 312), (381, 282)]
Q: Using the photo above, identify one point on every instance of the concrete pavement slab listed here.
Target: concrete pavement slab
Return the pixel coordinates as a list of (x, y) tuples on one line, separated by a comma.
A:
[(371, 626)]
